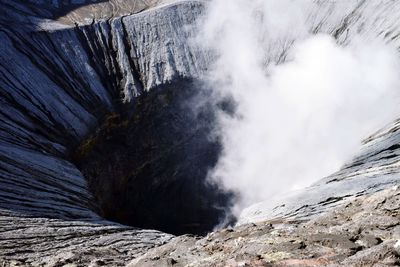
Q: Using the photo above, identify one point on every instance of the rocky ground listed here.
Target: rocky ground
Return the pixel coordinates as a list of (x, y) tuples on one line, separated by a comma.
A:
[(363, 232), (52, 242)]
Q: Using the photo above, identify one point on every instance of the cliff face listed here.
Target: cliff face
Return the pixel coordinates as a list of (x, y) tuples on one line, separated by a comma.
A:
[(62, 72), (57, 85)]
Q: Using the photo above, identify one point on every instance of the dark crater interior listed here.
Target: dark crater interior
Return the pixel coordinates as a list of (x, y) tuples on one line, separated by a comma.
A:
[(147, 163)]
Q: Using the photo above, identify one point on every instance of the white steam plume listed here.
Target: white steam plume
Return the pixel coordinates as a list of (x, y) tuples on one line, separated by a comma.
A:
[(298, 121)]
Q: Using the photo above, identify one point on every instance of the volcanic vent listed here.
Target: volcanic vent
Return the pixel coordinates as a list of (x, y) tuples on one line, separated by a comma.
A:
[(147, 165)]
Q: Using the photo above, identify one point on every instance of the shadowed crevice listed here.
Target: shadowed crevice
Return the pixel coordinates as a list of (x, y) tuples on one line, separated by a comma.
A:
[(148, 168)]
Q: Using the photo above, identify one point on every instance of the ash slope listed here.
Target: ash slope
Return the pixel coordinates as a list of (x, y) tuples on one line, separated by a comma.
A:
[(56, 85), (57, 81)]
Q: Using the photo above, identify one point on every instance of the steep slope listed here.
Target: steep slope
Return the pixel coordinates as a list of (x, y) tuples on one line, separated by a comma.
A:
[(63, 71), (56, 86)]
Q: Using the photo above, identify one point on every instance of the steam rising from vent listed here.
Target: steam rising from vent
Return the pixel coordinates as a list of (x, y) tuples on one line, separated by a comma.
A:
[(302, 108)]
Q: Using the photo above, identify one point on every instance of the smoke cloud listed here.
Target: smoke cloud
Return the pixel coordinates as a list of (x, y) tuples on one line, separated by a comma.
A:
[(302, 108)]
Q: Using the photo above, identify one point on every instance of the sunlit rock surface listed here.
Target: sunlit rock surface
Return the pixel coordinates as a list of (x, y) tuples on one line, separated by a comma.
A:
[(362, 232), (65, 65), (72, 12)]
